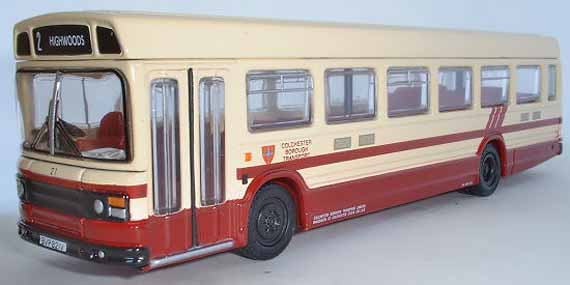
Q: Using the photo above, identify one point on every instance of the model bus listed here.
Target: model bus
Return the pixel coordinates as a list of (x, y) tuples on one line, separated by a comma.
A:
[(149, 139)]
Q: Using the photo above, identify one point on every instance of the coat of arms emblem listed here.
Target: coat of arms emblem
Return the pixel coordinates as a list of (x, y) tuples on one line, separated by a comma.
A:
[(268, 152)]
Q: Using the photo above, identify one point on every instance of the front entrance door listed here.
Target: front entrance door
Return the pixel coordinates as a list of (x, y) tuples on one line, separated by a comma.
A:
[(210, 133), (171, 226)]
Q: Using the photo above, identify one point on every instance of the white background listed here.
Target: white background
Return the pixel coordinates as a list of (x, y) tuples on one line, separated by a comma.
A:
[(518, 236)]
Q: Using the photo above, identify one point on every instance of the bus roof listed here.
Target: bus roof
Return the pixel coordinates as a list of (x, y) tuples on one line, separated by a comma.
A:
[(167, 36)]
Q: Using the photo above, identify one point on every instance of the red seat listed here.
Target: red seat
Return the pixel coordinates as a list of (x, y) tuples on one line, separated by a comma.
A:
[(111, 133), (405, 101), (112, 130)]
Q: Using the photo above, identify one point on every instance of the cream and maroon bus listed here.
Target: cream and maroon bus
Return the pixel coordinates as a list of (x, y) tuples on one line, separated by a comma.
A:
[(149, 140)]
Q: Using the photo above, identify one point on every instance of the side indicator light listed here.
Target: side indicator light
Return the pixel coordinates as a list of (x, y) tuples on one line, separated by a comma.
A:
[(247, 156)]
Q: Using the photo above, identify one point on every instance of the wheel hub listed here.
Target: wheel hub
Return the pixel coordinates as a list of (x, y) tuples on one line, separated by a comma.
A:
[(270, 223), (489, 170)]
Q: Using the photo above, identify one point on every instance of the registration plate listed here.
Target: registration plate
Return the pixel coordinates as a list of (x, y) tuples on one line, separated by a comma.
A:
[(53, 244)]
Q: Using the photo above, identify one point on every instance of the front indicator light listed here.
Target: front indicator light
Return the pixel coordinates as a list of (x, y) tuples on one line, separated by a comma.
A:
[(117, 207), (117, 202)]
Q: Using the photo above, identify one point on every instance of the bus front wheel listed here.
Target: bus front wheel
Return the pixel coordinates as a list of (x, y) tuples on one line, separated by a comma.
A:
[(489, 173), (271, 223)]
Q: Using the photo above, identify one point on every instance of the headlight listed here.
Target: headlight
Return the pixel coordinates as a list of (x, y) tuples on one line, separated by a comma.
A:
[(21, 188), (98, 207), (114, 207)]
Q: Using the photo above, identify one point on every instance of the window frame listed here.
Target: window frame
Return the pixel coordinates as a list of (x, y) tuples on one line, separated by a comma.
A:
[(161, 208), (409, 69), (553, 82), (280, 125), (537, 99), (467, 107), (350, 117), (129, 140), (217, 195), (509, 83)]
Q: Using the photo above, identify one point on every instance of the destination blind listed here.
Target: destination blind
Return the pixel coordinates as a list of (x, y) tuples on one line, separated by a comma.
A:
[(62, 40)]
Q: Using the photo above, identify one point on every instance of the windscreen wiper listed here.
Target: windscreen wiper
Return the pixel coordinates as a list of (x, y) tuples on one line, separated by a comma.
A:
[(53, 123), (67, 137), (37, 138), (56, 123), (52, 115)]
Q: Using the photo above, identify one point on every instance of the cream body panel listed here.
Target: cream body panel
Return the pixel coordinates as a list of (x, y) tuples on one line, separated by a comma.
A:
[(24, 163), (55, 170), (174, 36), (377, 165), (109, 177), (138, 209), (532, 136)]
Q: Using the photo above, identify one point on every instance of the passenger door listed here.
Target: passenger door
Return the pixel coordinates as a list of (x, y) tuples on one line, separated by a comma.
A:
[(209, 155), (172, 222)]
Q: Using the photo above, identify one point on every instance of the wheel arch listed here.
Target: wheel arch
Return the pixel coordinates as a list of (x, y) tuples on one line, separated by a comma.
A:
[(288, 179), (498, 142)]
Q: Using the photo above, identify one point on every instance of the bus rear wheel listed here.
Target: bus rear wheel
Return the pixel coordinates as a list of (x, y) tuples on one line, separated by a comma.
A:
[(271, 223), (489, 173)]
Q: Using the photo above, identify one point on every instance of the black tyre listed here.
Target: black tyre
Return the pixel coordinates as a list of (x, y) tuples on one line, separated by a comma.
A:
[(489, 173), (271, 223)]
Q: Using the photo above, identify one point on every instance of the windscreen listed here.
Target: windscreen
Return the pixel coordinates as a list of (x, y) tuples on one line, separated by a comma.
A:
[(87, 121)]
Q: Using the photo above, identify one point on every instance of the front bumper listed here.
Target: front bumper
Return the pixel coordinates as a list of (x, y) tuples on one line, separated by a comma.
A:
[(135, 257)]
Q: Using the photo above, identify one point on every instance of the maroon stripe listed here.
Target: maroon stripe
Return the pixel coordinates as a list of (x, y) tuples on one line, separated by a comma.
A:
[(491, 117), (531, 125), (503, 115), (50, 180), (497, 117), (348, 155), (133, 191)]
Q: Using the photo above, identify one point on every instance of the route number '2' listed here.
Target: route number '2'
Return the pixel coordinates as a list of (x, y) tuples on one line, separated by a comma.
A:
[(53, 171), (38, 40)]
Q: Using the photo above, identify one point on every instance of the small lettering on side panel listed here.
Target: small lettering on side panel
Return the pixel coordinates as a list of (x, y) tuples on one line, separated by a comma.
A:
[(537, 115), (339, 214), (342, 143), (364, 140), (296, 149), (525, 117)]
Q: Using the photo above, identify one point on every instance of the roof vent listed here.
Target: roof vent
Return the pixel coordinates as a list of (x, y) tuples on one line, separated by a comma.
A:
[(108, 43)]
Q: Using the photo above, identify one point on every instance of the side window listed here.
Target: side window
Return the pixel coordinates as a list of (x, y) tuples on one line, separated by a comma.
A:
[(165, 146), (528, 84), (552, 82), (408, 91), (350, 94), (495, 82), (212, 140), (455, 87), (278, 98)]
